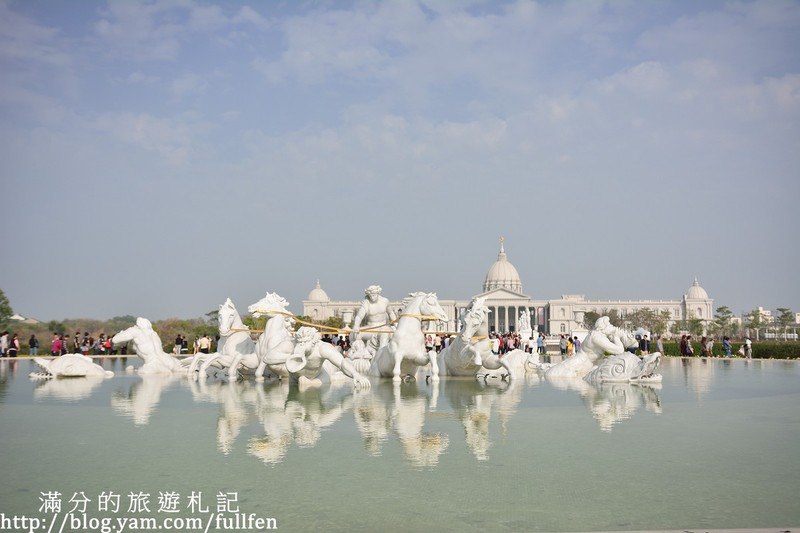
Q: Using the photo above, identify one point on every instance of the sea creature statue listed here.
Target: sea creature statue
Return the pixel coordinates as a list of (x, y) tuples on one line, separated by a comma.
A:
[(306, 361), (360, 356), (236, 350), (406, 349), (71, 365), (626, 367), (604, 338), (471, 351), (276, 344), (148, 346)]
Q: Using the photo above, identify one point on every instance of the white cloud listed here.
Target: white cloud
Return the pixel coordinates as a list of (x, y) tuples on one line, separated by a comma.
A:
[(172, 139), (22, 39), (187, 84), (157, 30)]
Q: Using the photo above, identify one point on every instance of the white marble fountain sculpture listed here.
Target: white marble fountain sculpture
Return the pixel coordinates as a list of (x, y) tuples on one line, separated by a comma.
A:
[(604, 338), (148, 346), (405, 352)]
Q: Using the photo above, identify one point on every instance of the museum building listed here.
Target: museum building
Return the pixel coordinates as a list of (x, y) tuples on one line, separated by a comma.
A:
[(502, 289)]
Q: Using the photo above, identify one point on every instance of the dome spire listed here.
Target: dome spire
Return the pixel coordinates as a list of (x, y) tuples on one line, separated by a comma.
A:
[(502, 274)]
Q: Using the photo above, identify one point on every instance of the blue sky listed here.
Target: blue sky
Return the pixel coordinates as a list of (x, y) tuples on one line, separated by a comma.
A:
[(158, 157)]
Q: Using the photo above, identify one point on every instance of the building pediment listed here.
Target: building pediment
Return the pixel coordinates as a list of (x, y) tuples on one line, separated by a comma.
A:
[(503, 294)]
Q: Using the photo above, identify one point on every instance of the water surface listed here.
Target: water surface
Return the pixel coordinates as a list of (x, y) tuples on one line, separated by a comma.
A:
[(714, 446)]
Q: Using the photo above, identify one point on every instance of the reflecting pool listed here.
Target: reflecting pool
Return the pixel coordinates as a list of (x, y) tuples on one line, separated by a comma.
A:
[(715, 445)]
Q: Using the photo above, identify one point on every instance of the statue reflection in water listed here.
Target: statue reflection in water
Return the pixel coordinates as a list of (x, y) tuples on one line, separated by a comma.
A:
[(291, 414), (474, 402), (611, 403), (401, 408), (142, 398)]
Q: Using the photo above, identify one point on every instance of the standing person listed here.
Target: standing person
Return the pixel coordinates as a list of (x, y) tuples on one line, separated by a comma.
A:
[(437, 343), (3, 344), (710, 346), (184, 344), (684, 353), (204, 344), (76, 343), (726, 346), (660, 345), (178, 343), (55, 346), (689, 348), (540, 344), (748, 348), (13, 346), (33, 345), (703, 347), (563, 345), (428, 343), (577, 343), (644, 345), (570, 347)]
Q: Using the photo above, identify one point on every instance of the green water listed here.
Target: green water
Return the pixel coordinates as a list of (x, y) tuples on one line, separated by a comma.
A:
[(715, 446)]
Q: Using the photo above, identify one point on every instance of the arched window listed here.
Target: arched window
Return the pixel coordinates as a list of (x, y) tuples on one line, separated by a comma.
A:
[(563, 312), (699, 312), (563, 327)]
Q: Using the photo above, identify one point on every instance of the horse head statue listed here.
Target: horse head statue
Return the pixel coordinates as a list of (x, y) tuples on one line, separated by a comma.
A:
[(227, 317), (272, 303), (477, 313), (424, 303)]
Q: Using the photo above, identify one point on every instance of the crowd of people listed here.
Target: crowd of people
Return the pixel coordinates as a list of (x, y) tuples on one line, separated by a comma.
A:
[(502, 343), (707, 347)]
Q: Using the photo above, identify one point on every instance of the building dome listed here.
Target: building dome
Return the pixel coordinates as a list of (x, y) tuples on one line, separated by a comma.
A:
[(318, 295), (696, 292), (502, 274)]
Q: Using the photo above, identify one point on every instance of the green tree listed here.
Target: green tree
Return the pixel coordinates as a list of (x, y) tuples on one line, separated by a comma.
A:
[(722, 318), (785, 319), (589, 318), (5, 309), (755, 321), (334, 322), (56, 326), (660, 323), (696, 326)]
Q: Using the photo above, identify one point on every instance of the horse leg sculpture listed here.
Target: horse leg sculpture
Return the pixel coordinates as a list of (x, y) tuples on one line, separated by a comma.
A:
[(394, 351), (196, 360), (434, 366), (207, 363)]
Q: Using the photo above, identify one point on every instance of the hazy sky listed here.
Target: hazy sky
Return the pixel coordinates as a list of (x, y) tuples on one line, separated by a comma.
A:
[(158, 157)]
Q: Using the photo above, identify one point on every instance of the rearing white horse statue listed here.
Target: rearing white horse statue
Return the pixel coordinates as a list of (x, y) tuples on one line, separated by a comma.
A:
[(276, 344), (471, 351), (235, 345), (406, 349)]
